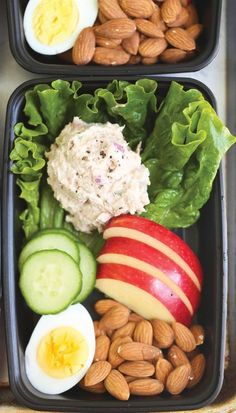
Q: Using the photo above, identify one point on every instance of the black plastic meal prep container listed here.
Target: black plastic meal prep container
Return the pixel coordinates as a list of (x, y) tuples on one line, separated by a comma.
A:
[(209, 15), (207, 238)]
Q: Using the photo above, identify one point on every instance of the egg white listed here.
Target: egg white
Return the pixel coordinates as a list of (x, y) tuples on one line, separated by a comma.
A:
[(88, 11), (75, 316)]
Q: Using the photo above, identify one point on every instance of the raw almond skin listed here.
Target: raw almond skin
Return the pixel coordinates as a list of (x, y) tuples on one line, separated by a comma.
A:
[(131, 44), (102, 306), (198, 365), (163, 369), (113, 357), (176, 356), (180, 39), (146, 387), (98, 388), (102, 348), (111, 9), (117, 386), (130, 378), (135, 317), (192, 354), (181, 19), (137, 368), (149, 60), (143, 332), (138, 351), (163, 333), (97, 330), (84, 47), (116, 28), (152, 47), (178, 379), (97, 372), (158, 21), (192, 16), (141, 8), (195, 30), (173, 55), (117, 316), (170, 10), (148, 28), (101, 17), (109, 43), (185, 3), (125, 331), (184, 337)]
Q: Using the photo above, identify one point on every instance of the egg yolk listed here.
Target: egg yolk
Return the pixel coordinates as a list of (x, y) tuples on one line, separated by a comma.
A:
[(54, 21), (62, 353)]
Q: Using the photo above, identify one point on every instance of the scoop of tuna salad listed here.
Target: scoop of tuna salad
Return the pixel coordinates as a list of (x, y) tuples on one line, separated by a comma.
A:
[(95, 175)]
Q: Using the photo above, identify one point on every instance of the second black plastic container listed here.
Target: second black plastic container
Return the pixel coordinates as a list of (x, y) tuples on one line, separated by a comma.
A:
[(207, 238), (209, 15)]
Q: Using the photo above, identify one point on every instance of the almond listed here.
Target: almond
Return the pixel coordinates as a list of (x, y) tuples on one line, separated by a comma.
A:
[(102, 306), (137, 368), (180, 38), (181, 19), (152, 47), (134, 60), (98, 388), (146, 387), (183, 337), (198, 365), (149, 60), (140, 8), (138, 351), (135, 317), (97, 372), (125, 331), (148, 28), (195, 30), (163, 369), (111, 9), (109, 43), (170, 10), (178, 379), (192, 354), (113, 357), (130, 378), (163, 333), (158, 21), (102, 348), (117, 386), (84, 47), (116, 28), (176, 356), (117, 316), (143, 332), (192, 16), (173, 55), (185, 3), (98, 332), (102, 19), (131, 44)]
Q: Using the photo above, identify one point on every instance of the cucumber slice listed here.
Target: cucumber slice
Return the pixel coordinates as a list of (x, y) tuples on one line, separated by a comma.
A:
[(88, 268), (62, 231), (49, 281), (49, 241)]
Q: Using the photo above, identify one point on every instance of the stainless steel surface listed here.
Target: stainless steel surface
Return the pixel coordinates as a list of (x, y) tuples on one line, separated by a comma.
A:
[(214, 76)]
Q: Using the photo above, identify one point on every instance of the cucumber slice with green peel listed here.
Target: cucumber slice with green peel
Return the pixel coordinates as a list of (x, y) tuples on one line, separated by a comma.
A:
[(88, 267), (62, 231), (49, 281), (49, 241)]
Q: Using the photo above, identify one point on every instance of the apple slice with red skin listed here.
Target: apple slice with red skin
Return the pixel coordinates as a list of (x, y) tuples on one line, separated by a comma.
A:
[(166, 269), (139, 228), (145, 283)]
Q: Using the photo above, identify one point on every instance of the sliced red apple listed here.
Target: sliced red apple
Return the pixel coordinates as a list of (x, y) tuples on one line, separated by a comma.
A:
[(142, 293), (152, 262), (158, 237)]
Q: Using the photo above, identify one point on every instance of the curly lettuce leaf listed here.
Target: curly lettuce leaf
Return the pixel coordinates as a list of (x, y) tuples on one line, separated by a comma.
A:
[(183, 155), (30, 216)]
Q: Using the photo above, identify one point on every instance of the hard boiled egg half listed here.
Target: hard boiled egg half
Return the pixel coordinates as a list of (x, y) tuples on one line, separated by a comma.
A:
[(61, 350), (52, 26)]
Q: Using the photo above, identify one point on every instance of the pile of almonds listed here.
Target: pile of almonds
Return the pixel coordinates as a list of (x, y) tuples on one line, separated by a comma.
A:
[(139, 31), (141, 357)]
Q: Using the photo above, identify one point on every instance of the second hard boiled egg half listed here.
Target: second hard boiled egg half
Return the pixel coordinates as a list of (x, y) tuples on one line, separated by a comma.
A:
[(60, 350), (52, 26)]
